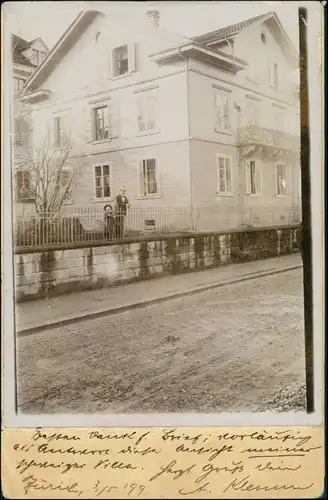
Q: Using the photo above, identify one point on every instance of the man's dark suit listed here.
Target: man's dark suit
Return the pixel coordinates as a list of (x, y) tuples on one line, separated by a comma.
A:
[(121, 207)]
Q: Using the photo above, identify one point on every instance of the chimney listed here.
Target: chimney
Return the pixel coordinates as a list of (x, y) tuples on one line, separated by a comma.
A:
[(153, 16)]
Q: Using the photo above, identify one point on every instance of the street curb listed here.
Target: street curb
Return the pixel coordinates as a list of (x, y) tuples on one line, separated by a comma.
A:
[(138, 305)]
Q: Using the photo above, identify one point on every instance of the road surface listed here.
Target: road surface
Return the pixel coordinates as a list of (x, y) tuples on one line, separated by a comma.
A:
[(228, 349)]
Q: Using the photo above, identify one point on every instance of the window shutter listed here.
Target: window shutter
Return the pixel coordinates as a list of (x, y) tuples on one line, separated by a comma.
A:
[(258, 177), (141, 179), (228, 175), (114, 120), (131, 55), (248, 178), (91, 127), (110, 64)]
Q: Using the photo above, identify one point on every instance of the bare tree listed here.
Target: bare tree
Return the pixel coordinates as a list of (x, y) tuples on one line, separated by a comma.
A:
[(52, 175)]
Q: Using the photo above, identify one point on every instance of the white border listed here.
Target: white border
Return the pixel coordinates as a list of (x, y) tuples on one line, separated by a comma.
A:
[(11, 419)]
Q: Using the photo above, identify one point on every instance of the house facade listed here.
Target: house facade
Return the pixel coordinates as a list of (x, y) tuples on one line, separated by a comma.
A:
[(26, 57), (210, 124)]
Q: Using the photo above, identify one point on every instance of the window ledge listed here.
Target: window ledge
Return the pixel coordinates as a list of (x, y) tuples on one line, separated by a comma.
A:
[(103, 200), (257, 195), (224, 194), (149, 197), (225, 132), (118, 77), (152, 132), (282, 195), (100, 142)]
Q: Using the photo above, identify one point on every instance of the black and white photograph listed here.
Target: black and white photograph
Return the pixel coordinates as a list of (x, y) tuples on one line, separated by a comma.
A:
[(160, 214)]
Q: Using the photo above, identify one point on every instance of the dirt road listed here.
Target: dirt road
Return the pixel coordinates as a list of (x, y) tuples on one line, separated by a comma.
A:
[(229, 349)]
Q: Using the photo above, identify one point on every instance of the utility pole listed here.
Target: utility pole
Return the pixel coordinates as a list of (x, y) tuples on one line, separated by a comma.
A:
[(306, 209)]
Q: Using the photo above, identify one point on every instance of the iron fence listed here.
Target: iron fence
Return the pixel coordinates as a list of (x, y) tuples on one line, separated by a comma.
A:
[(92, 225)]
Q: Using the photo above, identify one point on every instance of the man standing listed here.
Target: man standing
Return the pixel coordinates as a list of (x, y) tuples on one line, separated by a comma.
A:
[(122, 204)]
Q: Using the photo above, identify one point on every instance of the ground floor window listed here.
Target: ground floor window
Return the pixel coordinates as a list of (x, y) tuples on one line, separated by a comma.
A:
[(149, 177), (23, 184), (224, 174), (281, 176), (253, 177), (102, 181)]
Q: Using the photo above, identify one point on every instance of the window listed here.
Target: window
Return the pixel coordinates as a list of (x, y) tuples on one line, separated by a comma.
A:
[(148, 177), (253, 111), (281, 171), (101, 123), (279, 116), (253, 178), (121, 60), (147, 111), (274, 75), (43, 55), (36, 56), (21, 132), (224, 174), (102, 181), (58, 133), (263, 38), (24, 185), (222, 111), (18, 84)]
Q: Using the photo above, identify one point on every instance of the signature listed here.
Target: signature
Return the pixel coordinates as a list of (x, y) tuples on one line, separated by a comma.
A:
[(244, 484)]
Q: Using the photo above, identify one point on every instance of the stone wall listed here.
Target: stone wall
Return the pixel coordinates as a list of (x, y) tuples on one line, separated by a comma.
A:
[(56, 271)]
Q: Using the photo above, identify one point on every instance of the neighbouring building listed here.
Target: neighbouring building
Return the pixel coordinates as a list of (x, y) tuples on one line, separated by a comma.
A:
[(26, 57), (210, 123)]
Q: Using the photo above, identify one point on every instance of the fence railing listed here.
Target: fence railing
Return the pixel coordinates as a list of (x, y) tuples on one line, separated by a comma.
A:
[(88, 225)]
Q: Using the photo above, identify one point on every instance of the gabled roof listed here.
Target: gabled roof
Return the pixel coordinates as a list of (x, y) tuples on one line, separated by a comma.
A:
[(227, 31), (234, 29), (19, 45)]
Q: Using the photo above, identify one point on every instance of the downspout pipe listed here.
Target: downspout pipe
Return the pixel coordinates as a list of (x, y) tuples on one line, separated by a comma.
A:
[(188, 119)]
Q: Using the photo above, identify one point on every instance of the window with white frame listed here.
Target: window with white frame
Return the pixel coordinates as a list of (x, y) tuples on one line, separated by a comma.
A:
[(148, 177), (58, 131), (281, 173), (102, 181), (224, 174), (147, 104), (253, 177), (101, 123), (274, 75), (222, 110), (23, 185), (121, 64)]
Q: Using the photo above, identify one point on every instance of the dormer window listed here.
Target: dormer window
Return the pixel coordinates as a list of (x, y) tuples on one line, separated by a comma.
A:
[(263, 38)]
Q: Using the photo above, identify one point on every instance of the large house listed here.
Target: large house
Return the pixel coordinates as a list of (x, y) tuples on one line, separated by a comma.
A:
[(209, 123), (26, 57)]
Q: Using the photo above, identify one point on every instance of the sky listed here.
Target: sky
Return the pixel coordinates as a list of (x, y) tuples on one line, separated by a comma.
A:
[(49, 20)]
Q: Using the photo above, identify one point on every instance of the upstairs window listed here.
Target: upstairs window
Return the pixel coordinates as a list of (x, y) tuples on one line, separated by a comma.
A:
[(253, 111), (58, 132), (21, 132), (101, 123), (222, 111), (147, 104), (121, 60), (274, 75), (148, 177), (36, 56), (43, 55)]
